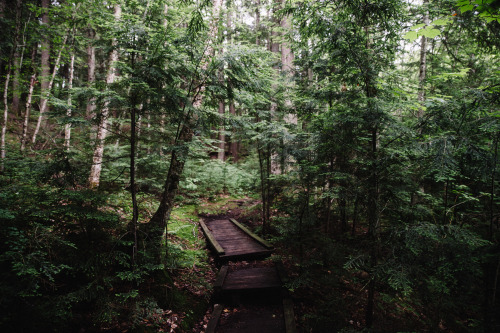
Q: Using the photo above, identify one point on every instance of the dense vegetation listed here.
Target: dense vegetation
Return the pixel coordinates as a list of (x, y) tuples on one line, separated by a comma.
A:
[(361, 136)]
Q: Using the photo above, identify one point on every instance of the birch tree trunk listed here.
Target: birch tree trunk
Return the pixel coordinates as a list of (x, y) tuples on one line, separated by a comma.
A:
[(233, 147), (6, 90), (44, 77), (102, 130), (423, 62), (67, 127), (45, 93), (91, 72), (27, 109)]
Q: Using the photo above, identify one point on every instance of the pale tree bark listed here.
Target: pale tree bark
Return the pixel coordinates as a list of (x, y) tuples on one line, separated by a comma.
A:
[(221, 154), (44, 99), (423, 62), (6, 89), (233, 147), (67, 127), (102, 130), (158, 222), (45, 64), (91, 71), (257, 22), (27, 109)]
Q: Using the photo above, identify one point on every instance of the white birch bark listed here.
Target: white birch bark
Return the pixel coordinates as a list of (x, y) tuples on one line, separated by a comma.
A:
[(102, 130), (45, 64), (423, 63), (91, 72), (67, 127), (46, 92)]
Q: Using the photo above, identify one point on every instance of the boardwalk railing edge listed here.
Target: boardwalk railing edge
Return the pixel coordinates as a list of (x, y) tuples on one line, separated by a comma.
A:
[(251, 234), (214, 320), (211, 239), (289, 315)]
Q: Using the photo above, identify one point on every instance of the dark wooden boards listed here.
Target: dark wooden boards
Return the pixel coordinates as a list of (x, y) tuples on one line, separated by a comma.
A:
[(252, 319), (251, 279), (289, 315), (232, 241), (211, 240), (251, 234), (256, 289), (214, 319)]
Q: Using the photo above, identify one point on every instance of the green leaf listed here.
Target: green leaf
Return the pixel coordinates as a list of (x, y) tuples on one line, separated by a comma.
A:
[(444, 21), (411, 35), (417, 26), (429, 32), (466, 8)]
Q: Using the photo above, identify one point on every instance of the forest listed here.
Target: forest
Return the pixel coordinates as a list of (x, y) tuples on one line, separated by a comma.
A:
[(359, 137)]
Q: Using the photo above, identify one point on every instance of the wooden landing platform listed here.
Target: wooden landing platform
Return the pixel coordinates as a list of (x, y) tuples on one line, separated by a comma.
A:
[(247, 279), (275, 318), (232, 241)]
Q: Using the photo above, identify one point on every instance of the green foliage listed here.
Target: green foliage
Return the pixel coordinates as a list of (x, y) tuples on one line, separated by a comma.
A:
[(213, 177)]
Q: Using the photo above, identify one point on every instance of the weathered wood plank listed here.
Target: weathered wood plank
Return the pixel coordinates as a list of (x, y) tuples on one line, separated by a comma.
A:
[(214, 320), (289, 315), (251, 234), (213, 242), (219, 281), (252, 278), (245, 255)]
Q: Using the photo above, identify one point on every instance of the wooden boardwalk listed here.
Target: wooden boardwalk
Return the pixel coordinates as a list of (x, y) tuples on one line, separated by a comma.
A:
[(232, 241), (249, 298)]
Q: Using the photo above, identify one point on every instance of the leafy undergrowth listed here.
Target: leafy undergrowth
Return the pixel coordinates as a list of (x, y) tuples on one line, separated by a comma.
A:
[(173, 299)]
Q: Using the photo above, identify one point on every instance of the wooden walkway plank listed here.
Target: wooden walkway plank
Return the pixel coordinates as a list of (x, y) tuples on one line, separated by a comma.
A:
[(219, 281), (214, 320), (251, 279), (212, 240), (289, 315), (232, 241), (251, 234)]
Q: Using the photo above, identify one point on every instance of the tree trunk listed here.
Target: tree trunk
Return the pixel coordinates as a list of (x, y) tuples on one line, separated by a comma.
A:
[(6, 89), (257, 22), (91, 72), (67, 127), (221, 154), (102, 130), (45, 74), (135, 208), (423, 62), (45, 100), (27, 110)]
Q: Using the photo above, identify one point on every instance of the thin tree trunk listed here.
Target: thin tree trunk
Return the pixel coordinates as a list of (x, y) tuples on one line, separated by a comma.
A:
[(29, 104), (67, 127), (423, 62), (46, 92), (91, 72), (6, 90), (133, 190), (45, 74), (257, 22), (27, 112), (102, 130), (221, 154)]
